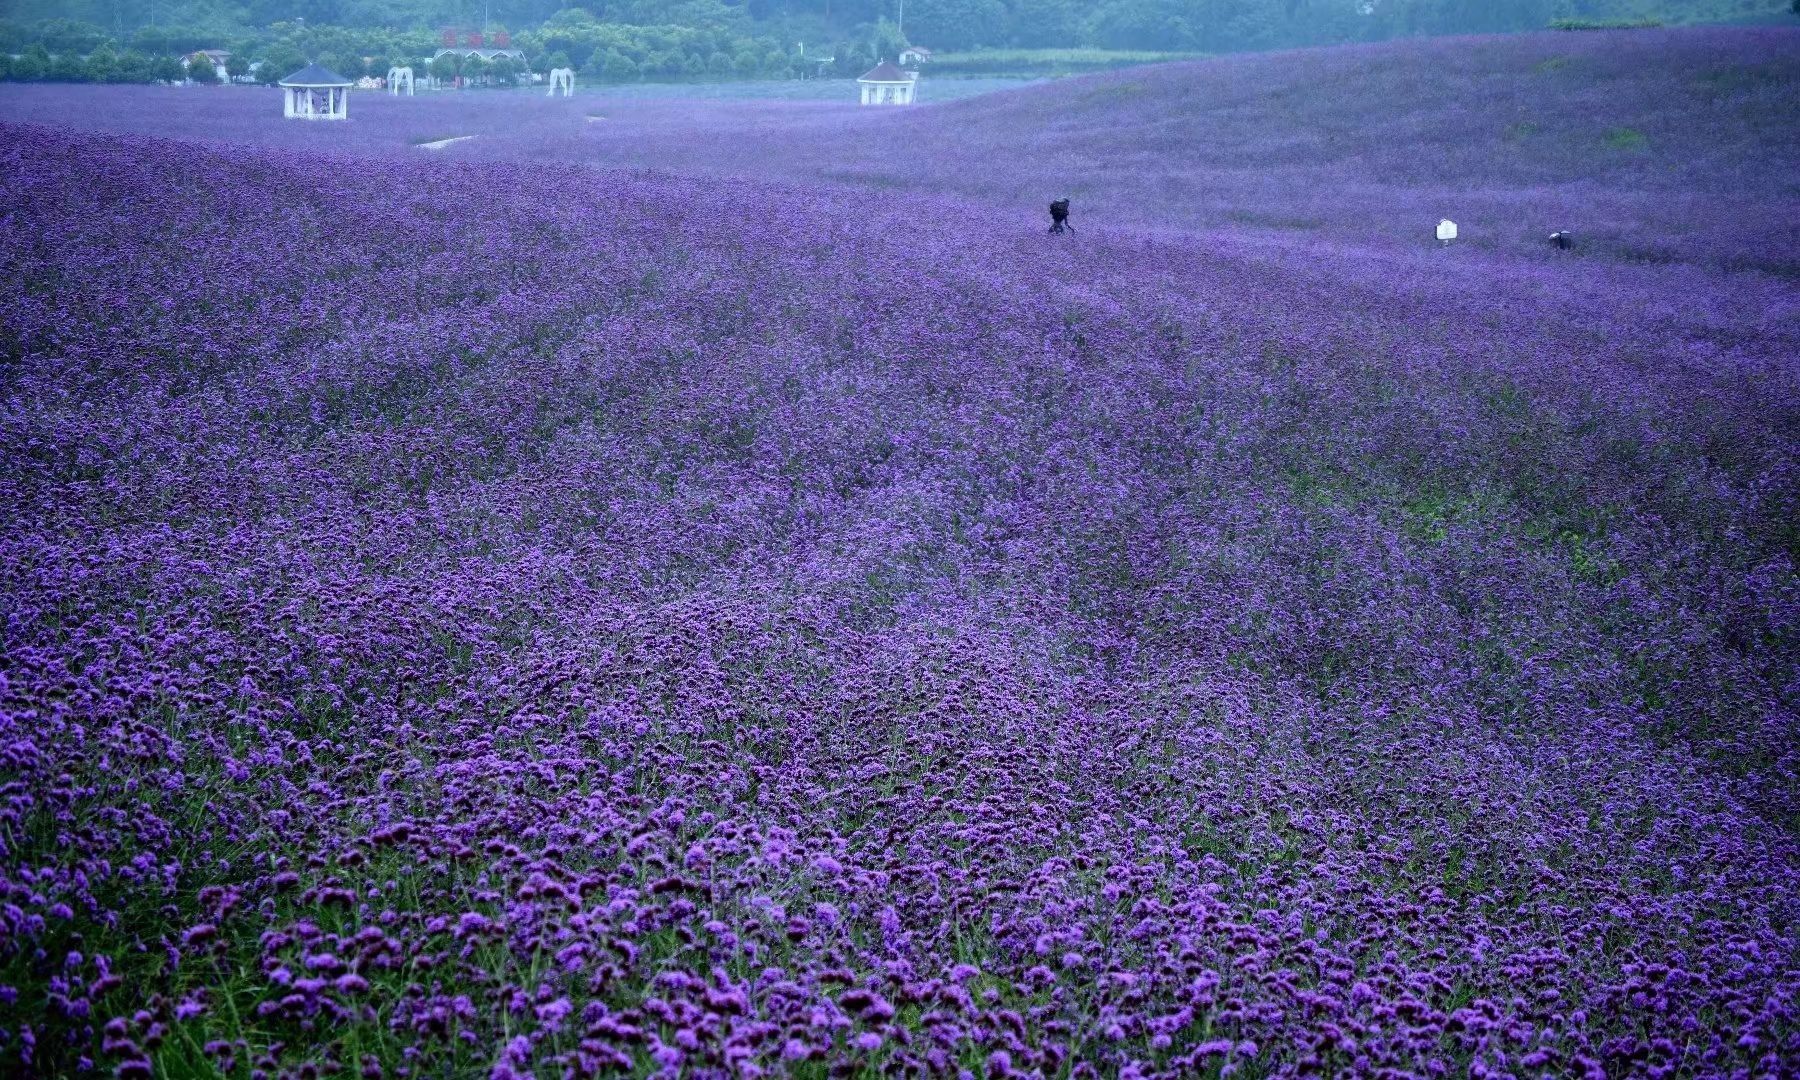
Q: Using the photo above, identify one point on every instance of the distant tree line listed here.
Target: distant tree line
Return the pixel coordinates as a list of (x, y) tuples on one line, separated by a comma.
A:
[(102, 65), (619, 51), (66, 50), (617, 40)]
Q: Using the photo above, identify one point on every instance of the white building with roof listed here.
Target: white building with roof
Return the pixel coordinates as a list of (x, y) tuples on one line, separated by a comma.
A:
[(315, 93), (885, 84), (489, 55)]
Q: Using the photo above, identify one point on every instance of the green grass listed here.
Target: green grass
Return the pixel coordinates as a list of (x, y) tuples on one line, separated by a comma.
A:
[(1628, 139), (1429, 515), (1740, 79), (1044, 61)]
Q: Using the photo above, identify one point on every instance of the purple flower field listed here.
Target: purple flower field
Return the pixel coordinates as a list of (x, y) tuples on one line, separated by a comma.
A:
[(717, 591)]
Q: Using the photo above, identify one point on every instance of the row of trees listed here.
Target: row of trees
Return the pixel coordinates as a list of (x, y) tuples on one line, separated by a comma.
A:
[(103, 65), (500, 71), (600, 51), (938, 23), (108, 65), (69, 51), (1217, 26), (616, 40), (615, 51)]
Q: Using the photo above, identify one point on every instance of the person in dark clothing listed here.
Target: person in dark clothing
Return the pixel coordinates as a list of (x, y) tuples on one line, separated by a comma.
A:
[(1059, 216), (1562, 240)]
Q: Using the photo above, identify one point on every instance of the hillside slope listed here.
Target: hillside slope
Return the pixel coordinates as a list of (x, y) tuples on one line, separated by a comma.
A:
[(1653, 145), (708, 607), (1711, 110), (521, 617), (1659, 143)]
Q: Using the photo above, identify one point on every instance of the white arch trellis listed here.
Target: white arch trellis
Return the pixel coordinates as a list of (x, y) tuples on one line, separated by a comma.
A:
[(564, 78), (398, 77)]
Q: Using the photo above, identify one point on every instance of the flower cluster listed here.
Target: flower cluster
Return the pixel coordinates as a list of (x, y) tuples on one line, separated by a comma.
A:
[(482, 618)]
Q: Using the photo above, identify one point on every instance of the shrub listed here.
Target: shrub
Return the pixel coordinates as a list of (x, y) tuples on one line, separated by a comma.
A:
[(1605, 24), (30, 66), (167, 69), (67, 67)]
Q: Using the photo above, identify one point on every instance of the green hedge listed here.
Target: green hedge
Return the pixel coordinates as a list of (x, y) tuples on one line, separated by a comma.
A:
[(1044, 61), (1605, 24)]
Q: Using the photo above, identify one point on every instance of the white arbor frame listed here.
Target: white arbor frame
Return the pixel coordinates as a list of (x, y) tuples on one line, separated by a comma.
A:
[(398, 77), (564, 78)]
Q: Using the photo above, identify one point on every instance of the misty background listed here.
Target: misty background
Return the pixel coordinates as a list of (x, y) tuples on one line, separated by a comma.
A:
[(692, 40)]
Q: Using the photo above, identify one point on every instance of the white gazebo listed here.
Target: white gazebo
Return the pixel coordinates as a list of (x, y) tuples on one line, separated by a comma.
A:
[(885, 84), (400, 81), (315, 93), (562, 79)]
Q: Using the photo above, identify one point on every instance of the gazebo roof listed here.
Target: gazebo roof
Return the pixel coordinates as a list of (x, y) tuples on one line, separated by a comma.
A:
[(314, 75), (885, 72)]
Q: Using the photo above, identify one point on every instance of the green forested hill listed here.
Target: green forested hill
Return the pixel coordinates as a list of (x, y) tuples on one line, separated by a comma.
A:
[(704, 38)]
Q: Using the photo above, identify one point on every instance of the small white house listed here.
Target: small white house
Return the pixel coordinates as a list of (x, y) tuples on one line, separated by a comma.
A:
[(315, 93), (914, 55), (885, 84)]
